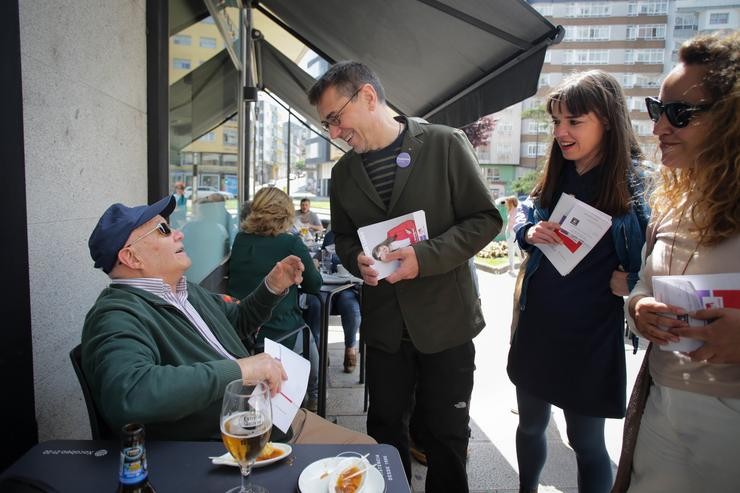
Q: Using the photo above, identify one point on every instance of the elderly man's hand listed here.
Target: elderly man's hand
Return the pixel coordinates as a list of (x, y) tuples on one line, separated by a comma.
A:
[(721, 336), (369, 275), (263, 367), (409, 268), (286, 273)]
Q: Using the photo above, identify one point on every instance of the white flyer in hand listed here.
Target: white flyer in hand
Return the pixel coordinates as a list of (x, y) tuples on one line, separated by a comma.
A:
[(696, 292), (285, 404), (581, 228), (379, 239)]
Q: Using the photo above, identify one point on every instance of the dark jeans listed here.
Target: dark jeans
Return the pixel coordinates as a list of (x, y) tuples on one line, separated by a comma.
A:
[(585, 434), (441, 385), (345, 304)]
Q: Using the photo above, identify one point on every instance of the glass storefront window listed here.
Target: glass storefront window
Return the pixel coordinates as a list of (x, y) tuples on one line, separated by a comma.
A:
[(202, 102)]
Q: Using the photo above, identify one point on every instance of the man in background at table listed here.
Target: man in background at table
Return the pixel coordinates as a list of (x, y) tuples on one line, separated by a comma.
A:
[(158, 350), (306, 218), (420, 321)]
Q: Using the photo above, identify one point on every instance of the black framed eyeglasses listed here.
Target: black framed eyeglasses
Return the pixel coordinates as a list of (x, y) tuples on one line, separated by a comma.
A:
[(163, 229), (679, 114), (335, 119)]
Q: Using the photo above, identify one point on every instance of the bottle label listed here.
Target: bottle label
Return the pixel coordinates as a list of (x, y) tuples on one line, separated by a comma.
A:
[(133, 465)]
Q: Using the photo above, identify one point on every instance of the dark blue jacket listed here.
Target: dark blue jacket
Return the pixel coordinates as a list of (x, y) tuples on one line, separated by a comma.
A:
[(628, 233)]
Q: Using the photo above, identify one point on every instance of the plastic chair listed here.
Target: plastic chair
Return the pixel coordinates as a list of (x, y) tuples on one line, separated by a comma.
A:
[(98, 427)]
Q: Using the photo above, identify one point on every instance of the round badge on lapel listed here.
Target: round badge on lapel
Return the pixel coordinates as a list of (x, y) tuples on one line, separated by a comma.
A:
[(403, 160)]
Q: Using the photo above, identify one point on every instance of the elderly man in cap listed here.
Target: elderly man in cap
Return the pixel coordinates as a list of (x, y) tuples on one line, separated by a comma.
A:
[(159, 350)]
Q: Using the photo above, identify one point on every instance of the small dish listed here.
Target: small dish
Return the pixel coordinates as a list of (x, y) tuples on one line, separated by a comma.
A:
[(283, 448), (315, 477)]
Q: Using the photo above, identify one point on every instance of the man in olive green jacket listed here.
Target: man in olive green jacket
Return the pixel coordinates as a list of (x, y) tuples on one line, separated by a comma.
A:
[(418, 322)]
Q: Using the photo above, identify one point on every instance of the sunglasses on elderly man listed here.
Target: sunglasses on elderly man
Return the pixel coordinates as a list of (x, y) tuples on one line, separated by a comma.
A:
[(163, 229), (679, 114)]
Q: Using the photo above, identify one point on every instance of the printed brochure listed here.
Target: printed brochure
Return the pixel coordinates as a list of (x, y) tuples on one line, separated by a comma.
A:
[(696, 292), (581, 227), (381, 238)]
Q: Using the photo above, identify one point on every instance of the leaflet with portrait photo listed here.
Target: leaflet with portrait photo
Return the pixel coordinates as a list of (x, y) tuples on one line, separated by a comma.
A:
[(384, 237)]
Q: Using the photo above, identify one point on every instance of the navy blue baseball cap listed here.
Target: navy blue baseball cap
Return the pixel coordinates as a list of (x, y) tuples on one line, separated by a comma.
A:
[(116, 225)]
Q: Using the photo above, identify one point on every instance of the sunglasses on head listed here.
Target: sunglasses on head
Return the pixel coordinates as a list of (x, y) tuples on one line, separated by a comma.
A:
[(163, 229), (679, 114)]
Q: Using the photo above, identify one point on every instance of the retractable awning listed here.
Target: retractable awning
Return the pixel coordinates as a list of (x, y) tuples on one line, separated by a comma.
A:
[(449, 61)]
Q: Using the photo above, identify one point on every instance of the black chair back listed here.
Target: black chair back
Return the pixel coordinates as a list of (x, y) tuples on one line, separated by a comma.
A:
[(98, 427)]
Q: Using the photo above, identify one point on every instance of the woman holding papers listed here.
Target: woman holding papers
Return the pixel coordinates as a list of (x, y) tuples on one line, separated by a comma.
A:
[(567, 349), (263, 239), (689, 434)]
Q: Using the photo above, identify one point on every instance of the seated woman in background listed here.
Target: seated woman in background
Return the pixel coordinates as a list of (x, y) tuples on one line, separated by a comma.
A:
[(263, 241), (568, 348), (689, 434)]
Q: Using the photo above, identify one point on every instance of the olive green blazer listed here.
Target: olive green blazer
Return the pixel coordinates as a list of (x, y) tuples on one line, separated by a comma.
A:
[(440, 308)]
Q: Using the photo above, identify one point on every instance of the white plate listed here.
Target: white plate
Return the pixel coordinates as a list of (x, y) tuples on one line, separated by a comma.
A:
[(228, 460), (311, 480), (340, 279)]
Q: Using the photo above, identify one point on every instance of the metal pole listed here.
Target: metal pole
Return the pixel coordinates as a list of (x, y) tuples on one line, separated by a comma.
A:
[(288, 160)]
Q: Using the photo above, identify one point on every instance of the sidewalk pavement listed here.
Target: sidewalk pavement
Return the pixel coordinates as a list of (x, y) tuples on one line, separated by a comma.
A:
[(492, 465)]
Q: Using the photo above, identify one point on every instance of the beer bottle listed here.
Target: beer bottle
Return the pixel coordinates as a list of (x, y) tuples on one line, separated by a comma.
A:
[(132, 473)]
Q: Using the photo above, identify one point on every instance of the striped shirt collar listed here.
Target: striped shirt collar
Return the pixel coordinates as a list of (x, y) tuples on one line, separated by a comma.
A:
[(156, 286)]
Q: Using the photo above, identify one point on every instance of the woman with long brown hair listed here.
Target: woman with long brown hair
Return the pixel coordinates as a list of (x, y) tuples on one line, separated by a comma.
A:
[(567, 349)]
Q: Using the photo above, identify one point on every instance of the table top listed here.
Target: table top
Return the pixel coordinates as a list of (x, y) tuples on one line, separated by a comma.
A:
[(339, 279), (92, 466)]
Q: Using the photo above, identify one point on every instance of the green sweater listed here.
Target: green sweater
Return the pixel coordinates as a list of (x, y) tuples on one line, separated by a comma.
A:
[(252, 257), (146, 363)]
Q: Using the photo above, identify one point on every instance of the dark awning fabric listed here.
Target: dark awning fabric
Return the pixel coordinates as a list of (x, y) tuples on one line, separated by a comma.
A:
[(281, 76), (202, 100), (449, 61)]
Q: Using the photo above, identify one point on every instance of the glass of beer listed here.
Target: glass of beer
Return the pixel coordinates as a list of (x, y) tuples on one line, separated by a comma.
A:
[(246, 421)]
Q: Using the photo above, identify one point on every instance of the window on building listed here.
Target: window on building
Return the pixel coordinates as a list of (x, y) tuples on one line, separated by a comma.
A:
[(533, 127), (586, 57), (590, 9), (504, 127), (210, 180), (626, 80), (493, 174), (182, 39), (181, 63), (635, 103), (229, 160), (206, 42), (647, 80), (231, 138), (548, 56), (647, 31), (587, 33), (648, 7), (642, 127), (650, 55), (208, 137), (719, 18), (535, 149), (686, 21), (211, 159)]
